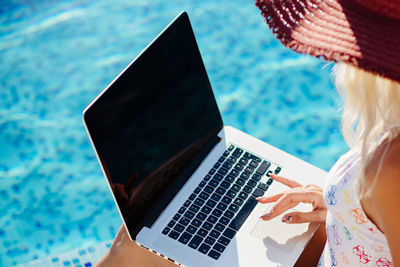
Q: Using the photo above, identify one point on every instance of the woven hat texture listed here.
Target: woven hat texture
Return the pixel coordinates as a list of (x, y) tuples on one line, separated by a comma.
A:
[(365, 33)]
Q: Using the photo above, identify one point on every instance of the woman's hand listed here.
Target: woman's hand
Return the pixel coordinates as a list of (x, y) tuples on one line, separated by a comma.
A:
[(291, 198)]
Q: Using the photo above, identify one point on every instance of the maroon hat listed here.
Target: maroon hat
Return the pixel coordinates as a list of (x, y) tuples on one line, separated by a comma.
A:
[(365, 33)]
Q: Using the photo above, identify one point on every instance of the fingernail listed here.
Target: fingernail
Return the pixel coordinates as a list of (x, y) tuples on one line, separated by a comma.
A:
[(266, 216), (287, 219)]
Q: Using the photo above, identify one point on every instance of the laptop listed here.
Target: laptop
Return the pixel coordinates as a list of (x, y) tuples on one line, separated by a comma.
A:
[(184, 183)]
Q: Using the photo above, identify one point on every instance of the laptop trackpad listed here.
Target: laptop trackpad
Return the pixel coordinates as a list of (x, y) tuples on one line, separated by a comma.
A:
[(278, 235)]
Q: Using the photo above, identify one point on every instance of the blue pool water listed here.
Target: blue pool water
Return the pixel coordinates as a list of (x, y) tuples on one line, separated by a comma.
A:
[(56, 56)]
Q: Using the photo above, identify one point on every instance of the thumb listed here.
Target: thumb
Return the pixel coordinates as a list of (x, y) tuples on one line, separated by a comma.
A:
[(316, 216)]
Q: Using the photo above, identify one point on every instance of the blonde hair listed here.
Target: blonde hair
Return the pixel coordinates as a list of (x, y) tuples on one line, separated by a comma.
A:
[(371, 109)]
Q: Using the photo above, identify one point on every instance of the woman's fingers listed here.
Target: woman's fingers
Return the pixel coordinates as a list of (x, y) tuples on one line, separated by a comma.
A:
[(270, 199), (285, 181), (290, 200), (316, 216)]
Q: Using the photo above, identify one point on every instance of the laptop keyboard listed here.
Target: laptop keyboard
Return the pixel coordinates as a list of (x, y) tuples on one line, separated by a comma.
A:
[(217, 208)]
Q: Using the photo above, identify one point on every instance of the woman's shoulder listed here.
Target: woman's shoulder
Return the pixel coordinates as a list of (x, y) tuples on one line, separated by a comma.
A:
[(383, 169)]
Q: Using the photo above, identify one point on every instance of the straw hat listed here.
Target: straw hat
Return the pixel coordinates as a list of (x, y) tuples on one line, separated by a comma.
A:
[(365, 33)]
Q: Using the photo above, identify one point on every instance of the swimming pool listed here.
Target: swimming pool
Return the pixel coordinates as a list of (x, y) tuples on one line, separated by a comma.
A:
[(57, 56)]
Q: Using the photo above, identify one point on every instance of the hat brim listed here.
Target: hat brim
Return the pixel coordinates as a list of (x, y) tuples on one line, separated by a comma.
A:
[(337, 30)]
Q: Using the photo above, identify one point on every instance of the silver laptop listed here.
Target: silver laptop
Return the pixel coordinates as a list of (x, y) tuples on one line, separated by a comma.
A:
[(185, 184)]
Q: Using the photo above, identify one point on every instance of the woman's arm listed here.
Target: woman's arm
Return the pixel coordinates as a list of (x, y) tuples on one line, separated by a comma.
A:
[(312, 252), (385, 195), (125, 253)]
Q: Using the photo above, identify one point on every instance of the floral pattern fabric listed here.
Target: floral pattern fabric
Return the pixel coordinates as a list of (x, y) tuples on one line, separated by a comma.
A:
[(352, 239)]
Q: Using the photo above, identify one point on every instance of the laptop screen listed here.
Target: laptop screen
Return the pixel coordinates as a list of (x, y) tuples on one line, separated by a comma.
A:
[(150, 124)]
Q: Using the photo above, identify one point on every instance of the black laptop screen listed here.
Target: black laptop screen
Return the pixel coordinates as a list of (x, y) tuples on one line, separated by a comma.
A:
[(149, 126)]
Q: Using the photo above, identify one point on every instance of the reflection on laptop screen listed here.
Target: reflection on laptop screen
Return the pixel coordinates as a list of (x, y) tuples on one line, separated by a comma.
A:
[(149, 126)]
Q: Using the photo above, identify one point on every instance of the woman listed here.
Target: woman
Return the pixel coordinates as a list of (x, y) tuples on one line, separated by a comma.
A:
[(358, 206)]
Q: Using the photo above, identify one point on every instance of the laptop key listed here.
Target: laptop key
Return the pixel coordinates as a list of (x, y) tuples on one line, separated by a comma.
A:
[(238, 201), (209, 240), (215, 234), (204, 195), (184, 221), (216, 197), (204, 248), (212, 219), (278, 170), (263, 187), (195, 242), (179, 228), (229, 233), (263, 167), (218, 247), (202, 232), (245, 175), (194, 208), (220, 190), (247, 189), (218, 177), (213, 183), (192, 197), (196, 222), (197, 190), (202, 183), (217, 213), (249, 169), (212, 171), (253, 164), (173, 234), (243, 195), (242, 215), (176, 217), (226, 200), (222, 171), (223, 240), (208, 189), (221, 159), (231, 159), (213, 254), (225, 184), (231, 194), (191, 229), (238, 152), (256, 177), (181, 210), (258, 193), (211, 203), (251, 183), (206, 210), (207, 177), (171, 223), (189, 214), (269, 182), (226, 153), (227, 165), (187, 203), (240, 182), (217, 165), (199, 202), (230, 179), (185, 237), (207, 226), (239, 166), (236, 187), (233, 208), (224, 220), (166, 230), (229, 214), (243, 161), (219, 227), (231, 147), (221, 206), (234, 173), (201, 216)]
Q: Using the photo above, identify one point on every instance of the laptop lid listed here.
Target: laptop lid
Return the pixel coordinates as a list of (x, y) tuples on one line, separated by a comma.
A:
[(154, 123)]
